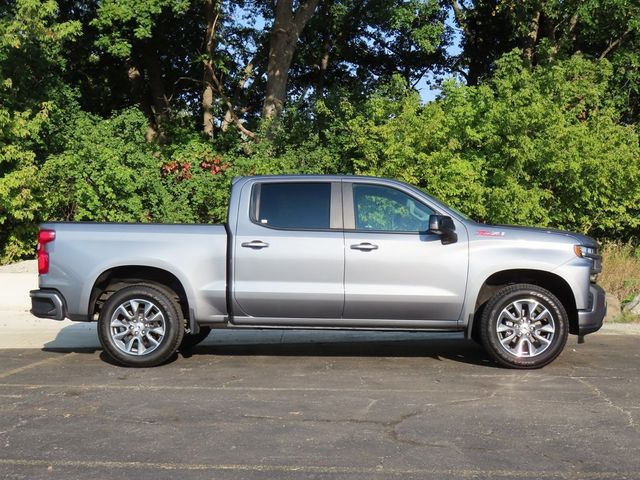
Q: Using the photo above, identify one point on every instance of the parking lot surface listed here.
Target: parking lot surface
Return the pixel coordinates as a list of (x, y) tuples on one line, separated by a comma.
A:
[(291, 405)]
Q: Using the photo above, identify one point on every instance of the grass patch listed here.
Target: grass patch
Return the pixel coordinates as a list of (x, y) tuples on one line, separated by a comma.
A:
[(621, 275), (627, 317), (621, 270)]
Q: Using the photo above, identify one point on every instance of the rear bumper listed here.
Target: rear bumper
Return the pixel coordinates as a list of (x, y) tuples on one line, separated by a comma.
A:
[(590, 320), (47, 304)]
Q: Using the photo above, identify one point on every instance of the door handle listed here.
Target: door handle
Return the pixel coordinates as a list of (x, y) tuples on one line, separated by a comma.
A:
[(255, 244), (364, 246)]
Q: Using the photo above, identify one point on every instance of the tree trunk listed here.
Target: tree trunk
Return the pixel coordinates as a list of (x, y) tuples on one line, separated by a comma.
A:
[(159, 100), (211, 15), (531, 40), (280, 55), (284, 37), (139, 95), (566, 38), (207, 107), (324, 64), (228, 120), (613, 44), (459, 16)]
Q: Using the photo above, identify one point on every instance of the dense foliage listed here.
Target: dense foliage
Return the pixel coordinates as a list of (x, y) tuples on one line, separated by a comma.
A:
[(530, 147), (118, 110)]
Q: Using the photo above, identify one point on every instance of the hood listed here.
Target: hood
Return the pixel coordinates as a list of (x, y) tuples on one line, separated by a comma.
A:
[(499, 230)]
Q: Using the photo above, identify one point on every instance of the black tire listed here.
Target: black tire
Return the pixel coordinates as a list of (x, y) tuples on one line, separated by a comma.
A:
[(534, 344), (191, 340), (119, 326)]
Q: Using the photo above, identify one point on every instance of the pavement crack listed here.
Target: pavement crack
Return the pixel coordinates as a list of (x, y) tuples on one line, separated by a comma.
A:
[(229, 382), (372, 402), (472, 399), (262, 417), (392, 431), (601, 395), (346, 420), (397, 436), (390, 427)]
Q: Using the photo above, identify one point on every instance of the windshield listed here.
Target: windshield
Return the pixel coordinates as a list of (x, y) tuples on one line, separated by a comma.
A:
[(454, 210), (466, 217)]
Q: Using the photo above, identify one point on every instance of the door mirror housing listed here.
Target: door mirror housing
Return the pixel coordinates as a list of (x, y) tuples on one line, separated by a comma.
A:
[(443, 226)]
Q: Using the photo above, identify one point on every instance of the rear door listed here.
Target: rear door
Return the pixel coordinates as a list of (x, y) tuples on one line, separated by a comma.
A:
[(289, 251), (394, 269)]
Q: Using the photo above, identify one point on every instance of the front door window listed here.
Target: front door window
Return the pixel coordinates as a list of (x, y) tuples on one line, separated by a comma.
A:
[(384, 209)]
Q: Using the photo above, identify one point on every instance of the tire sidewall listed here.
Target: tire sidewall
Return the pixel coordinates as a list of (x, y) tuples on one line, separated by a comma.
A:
[(503, 298), (174, 326)]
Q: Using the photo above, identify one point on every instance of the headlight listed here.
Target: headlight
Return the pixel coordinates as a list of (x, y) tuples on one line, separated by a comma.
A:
[(587, 252)]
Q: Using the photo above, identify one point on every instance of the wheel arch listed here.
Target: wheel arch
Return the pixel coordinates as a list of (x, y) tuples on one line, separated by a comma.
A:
[(116, 278), (547, 280)]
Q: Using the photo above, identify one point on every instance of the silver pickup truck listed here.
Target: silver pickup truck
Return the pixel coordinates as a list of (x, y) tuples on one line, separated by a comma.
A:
[(322, 252)]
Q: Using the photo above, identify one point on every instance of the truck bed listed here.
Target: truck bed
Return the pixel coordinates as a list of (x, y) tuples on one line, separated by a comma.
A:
[(195, 254)]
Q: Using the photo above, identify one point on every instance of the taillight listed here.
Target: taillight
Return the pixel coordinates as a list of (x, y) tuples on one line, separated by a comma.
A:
[(44, 237)]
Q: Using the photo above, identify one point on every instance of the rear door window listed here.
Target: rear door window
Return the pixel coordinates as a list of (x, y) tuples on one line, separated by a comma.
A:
[(293, 205)]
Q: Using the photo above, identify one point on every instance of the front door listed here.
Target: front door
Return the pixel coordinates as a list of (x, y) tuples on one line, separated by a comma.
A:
[(394, 269), (289, 258)]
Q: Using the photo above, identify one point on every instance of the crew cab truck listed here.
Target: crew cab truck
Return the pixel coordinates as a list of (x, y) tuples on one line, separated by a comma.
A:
[(322, 252)]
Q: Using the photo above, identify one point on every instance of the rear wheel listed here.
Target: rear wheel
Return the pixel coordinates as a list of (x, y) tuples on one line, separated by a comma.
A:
[(140, 326), (524, 326)]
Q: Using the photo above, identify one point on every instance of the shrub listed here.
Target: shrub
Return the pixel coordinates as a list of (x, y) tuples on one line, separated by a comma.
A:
[(107, 173), (18, 189)]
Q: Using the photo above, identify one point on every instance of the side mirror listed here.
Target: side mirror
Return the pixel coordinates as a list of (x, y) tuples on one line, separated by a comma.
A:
[(443, 226)]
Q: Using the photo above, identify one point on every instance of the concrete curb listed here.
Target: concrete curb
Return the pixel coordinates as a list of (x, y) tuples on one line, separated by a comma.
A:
[(619, 329)]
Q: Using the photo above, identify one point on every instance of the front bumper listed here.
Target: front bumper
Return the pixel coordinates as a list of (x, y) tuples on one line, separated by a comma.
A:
[(590, 320), (47, 304)]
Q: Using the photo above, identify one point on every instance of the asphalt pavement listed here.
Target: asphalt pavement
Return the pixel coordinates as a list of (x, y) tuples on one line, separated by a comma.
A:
[(276, 404), (340, 405)]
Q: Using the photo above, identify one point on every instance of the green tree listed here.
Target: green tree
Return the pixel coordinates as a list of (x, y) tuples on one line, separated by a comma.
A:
[(31, 61), (154, 38), (546, 30), (541, 147)]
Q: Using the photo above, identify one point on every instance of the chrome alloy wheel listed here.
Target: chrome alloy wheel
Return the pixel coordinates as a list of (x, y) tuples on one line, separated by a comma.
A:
[(137, 327), (525, 328)]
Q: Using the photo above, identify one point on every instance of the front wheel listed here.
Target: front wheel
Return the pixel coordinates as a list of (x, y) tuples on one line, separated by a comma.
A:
[(524, 326), (140, 326)]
